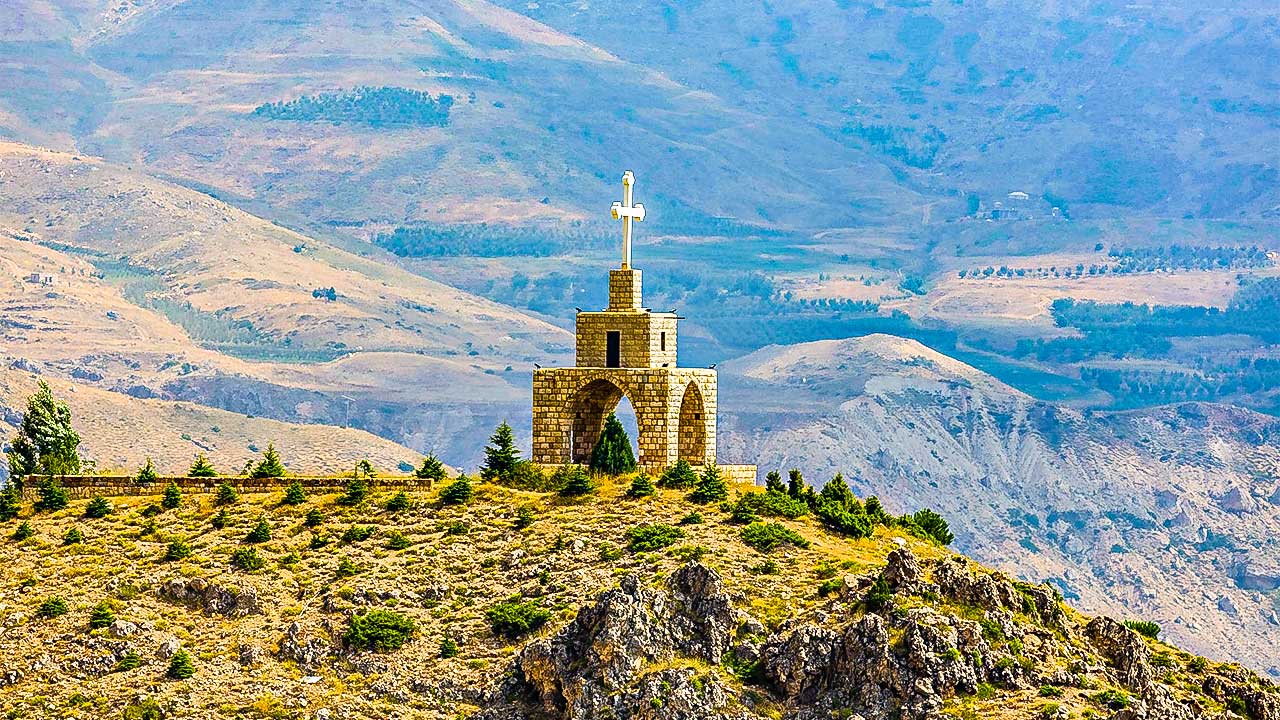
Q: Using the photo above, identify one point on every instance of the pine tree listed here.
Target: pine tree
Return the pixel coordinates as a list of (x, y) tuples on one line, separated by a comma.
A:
[(501, 456), (457, 492), (294, 494), (180, 667), (23, 532), (260, 533), (365, 468), (221, 519), (172, 497), (837, 491), (448, 647), (146, 474), (52, 495), (202, 467), (681, 475), (357, 491), (10, 503), (46, 443), (102, 616), (933, 526), (876, 512), (432, 469), (314, 518), (773, 482), (612, 453), (711, 486), (178, 549), (398, 502), (98, 507), (270, 465), (641, 486), (73, 536), (226, 495), (796, 484), (574, 481)]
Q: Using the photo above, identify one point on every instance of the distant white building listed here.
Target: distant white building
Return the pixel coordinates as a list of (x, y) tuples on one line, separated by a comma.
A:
[(38, 279), (1019, 195)]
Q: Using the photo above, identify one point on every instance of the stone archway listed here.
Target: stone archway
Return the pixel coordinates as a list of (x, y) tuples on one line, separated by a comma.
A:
[(590, 405), (693, 426)]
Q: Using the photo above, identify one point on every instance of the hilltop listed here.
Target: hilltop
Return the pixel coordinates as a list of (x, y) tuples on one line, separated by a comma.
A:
[(517, 604)]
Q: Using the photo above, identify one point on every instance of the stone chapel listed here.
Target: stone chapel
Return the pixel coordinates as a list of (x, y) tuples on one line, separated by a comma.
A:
[(627, 350)]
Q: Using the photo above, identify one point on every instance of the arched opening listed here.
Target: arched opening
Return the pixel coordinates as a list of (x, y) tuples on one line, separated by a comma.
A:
[(588, 410), (693, 426)]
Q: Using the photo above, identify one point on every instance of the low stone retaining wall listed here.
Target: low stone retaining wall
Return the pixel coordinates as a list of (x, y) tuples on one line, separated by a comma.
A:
[(85, 486)]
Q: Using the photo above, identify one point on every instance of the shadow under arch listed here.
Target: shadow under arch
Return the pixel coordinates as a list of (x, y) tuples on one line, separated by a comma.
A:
[(588, 408), (693, 425)]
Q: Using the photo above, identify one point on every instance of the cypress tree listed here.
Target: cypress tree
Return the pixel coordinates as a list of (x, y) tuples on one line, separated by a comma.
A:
[(202, 467), (180, 667), (10, 503), (270, 465), (574, 481), (641, 486), (172, 496), (500, 456), (711, 486), (431, 469), (146, 474), (294, 494), (612, 453), (102, 616)]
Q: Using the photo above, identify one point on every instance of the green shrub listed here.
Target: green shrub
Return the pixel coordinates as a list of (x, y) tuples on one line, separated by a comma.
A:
[(693, 518), (178, 550), (431, 469), (247, 559), (220, 519), (1111, 699), (770, 503), (397, 541), (398, 502), (201, 468), (456, 527), (524, 517), (680, 476), (929, 525), (357, 533), (828, 586), (52, 607), (609, 553), (313, 518), (850, 520), (641, 486), (1145, 628), (500, 456), (102, 616), (689, 553), (880, 594), (448, 647), (1198, 664), (98, 507), (318, 540), (151, 511), (10, 503), (645, 538), (767, 567), (270, 465), (180, 667), (52, 496), (768, 536), (23, 532), (1050, 691), (711, 487), (574, 481), (346, 568), (458, 492), (294, 494), (612, 454), (357, 491), (129, 662), (379, 631), (73, 536), (773, 482), (172, 496), (260, 533), (226, 495), (146, 474), (515, 617)]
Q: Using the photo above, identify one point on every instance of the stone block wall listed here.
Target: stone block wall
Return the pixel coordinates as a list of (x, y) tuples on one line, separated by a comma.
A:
[(624, 289), (642, 338)]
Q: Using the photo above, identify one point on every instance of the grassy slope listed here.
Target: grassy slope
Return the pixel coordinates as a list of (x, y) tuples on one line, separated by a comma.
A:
[(558, 561)]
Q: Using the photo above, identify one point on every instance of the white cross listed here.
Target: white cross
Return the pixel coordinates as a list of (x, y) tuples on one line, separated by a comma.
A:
[(626, 212)]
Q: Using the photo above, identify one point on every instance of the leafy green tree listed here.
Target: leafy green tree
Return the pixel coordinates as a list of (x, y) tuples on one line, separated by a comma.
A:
[(711, 486), (398, 502), (379, 631), (500, 456), (10, 503), (260, 533), (270, 465), (294, 494), (202, 467), (357, 491), (146, 474), (612, 454), (45, 444), (431, 469), (52, 495), (681, 475), (226, 495), (574, 481), (102, 616), (23, 532), (773, 481), (172, 496), (98, 507), (641, 486), (73, 536), (180, 667), (457, 492)]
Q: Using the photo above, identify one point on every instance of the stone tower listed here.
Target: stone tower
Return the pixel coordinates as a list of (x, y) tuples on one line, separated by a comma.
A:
[(625, 350)]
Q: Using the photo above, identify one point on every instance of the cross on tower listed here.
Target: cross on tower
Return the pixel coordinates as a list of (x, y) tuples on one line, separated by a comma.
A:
[(626, 212)]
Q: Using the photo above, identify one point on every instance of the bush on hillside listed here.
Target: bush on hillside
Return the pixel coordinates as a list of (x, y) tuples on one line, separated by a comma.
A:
[(172, 496), (220, 519), (379, 630), (102, 616), (1146, 628), (679, 476), (928, 525), (458, 492), (357, 491), (524, 517), (73, 536), (98, 507), (711, 487), (574, 481), (178, 550), (431, 469), (52, 607), (767, 536), (180, 667), (294, 494), (147, 474), (398, 502), (10, 503), (202, 468), (247, 559), (51, 495), (23, 532), (270, 465), (260, 533), (313, 518), (641, 486), (770, 503), (226, 495), (646, 538), (773, 482), (515, 617)]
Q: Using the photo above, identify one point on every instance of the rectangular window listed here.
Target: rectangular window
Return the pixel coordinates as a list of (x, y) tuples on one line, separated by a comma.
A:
[(662, 340), (613, 349)]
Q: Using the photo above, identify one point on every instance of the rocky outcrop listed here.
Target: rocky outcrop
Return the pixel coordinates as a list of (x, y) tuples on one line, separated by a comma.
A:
[(213, 599)]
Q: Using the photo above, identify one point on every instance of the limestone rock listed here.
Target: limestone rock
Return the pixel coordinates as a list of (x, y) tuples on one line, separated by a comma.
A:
[(211, 598)]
